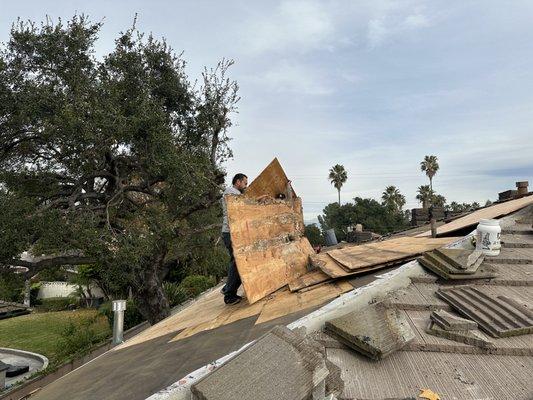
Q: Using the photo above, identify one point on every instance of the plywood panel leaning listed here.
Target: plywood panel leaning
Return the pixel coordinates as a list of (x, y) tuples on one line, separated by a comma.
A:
[(268, 243)]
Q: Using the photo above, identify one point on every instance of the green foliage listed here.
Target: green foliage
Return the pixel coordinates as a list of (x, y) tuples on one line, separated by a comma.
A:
[(455, 207), (58, 304), (11, 286), (393, 199), (34, 291), (425, 195), (132, 315), (113, 162), (313, 234), (338, 177), (371, 214), (53, 274), (439, 200), (174, 293), (430, 165), (193, 285), (78, 337)]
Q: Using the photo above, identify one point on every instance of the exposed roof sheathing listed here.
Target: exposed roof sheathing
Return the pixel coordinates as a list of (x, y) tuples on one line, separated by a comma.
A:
[(494, 211)]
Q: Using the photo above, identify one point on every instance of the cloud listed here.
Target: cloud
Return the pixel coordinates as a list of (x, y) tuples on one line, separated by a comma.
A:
[(292, 77), (395, 22), (295, 24)]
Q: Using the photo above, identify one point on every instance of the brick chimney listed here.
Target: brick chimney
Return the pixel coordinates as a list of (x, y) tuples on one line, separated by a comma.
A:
[(522, 188)]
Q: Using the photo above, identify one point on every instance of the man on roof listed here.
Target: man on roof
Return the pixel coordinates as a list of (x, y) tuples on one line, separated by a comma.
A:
[(239, 183)]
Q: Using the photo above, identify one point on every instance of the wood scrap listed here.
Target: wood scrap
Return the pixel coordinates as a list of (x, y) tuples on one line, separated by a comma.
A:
[(285, 302), (312, 278), (374, 253)]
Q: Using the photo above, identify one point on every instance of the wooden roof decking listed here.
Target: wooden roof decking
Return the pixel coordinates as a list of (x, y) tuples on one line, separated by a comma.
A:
[(472, 219)]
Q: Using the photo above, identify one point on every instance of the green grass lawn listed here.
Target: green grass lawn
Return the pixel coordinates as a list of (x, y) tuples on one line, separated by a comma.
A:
[(41, 332)]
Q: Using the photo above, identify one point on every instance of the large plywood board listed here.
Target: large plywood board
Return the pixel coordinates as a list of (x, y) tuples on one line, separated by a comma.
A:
[(494, 211), (383, 252), (271, 181), (268, 243)]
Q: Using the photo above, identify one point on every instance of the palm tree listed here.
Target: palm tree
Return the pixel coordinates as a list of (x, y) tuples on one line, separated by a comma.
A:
[(425, 195), (439, 200), (393, 199), (338, 176), (430, 166)]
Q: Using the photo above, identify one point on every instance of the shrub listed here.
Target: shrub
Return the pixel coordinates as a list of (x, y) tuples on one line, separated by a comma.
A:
[(193, 285), (58, 303), (132, 316), (77, 338), (11, 286), (34, 291), (174, 293)]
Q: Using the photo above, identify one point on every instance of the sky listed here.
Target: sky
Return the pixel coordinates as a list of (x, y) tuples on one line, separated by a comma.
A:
[(373, 85)]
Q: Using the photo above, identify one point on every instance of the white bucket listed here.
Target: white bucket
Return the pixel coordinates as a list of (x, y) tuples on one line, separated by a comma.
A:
[(488, 237)]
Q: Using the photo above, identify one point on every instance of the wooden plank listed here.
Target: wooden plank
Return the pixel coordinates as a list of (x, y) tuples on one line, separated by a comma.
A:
[(310, 279), (472, 219), (397, 249), (271, 181), (226, 316), (284, 302), (268, 243), (333, 269)]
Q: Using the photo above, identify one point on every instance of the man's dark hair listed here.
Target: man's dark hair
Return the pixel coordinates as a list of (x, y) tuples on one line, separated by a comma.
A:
[(238, 177)]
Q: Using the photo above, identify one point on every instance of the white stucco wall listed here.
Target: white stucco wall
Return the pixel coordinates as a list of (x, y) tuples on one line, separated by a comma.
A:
[(62, 289)]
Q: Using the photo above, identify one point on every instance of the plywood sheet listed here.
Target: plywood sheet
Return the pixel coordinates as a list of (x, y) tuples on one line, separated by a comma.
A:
[(397, 249), (271, 181), (333, 269), (286, 302), (494, 211), (268, 243), (309, 279)]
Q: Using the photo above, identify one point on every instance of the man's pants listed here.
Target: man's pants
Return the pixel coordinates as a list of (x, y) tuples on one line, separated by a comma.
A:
[(234, 280)]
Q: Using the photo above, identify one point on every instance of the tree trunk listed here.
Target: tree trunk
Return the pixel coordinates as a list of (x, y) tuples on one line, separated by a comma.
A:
[(338, 190), (431, 184), (150, 298)]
